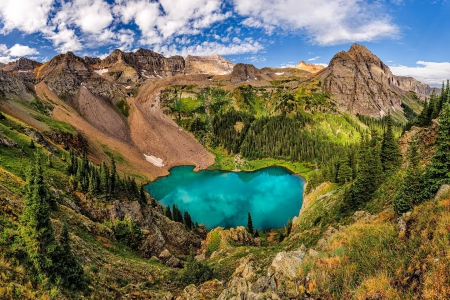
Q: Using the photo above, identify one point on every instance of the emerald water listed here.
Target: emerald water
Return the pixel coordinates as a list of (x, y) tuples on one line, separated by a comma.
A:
[(221, 198)]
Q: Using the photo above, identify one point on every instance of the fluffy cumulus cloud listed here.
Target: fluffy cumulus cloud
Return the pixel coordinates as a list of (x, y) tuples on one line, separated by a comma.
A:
[(16, 51), (180, 26), (159, 21), (28, 16), (431, 73), (325, 22)]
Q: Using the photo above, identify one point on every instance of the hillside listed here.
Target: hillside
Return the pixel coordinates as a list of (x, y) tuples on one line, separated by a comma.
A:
[(80, 136)]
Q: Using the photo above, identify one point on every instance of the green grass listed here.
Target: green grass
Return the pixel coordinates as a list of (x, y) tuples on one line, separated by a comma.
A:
[(214, 244)]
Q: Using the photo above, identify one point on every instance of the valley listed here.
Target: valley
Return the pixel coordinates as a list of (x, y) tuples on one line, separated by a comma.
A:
[(89, 135)]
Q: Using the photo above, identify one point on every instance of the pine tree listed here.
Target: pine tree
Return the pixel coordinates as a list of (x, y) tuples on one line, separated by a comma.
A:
[(390, 151), (411, 188), (113, 174), (70, 270), (142, 197), (36, 229), (345, 172), (438, 172), (249, 223), (104, 178), (187, 220), (168, 213), (32, 145)]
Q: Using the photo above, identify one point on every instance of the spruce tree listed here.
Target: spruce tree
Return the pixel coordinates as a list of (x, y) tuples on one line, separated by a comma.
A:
[(36, 229), (104, 178), (142, 197), (168, 213), (70, 270), (187, 220), (345, 172), (390, 151), (438, 172), (249, 223), (411, 188), (113, 178)]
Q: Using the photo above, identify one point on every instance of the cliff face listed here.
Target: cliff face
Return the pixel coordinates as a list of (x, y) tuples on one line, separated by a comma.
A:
[(212, 65), (311, 68), (410, 84), (22, 64), (244, 72), (361, 83)]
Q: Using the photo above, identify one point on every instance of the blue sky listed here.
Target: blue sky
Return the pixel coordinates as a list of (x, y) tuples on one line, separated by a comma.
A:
[(411, 36)]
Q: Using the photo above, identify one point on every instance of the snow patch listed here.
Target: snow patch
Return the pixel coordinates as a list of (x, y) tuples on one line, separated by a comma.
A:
[(101, 71), (279, 73), (154, 160)]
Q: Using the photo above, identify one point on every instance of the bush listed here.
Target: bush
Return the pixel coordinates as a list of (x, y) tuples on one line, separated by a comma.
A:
[(127, 232), (195, 272)]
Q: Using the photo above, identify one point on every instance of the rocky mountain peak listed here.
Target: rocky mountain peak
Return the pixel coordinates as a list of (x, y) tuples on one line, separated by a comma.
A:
[(361, 83), (22, 64), (311, 68), (244, 72)]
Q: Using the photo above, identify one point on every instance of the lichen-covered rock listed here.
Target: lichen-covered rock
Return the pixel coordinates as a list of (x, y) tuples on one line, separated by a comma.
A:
[(168, 259), (285, 264)]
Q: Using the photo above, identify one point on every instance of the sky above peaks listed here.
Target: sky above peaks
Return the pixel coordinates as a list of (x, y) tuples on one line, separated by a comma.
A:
[(411, 36)]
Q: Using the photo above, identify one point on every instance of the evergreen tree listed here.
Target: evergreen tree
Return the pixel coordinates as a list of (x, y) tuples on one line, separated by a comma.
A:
[(142, 197), (32, 145), (104, 178), (113, 174), (390, 151), (411, 188), (438, 172), (168, 213), (36, 229), (249, 223), (69, 268), (345, 172), (422, 119), (187, 220)]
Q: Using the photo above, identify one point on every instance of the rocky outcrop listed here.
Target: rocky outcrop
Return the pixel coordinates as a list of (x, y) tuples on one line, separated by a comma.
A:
[(12, 86), (22, 65), (211, 65), (92, 60), (238, 236), (244, 72), (408, 84), (311, 68), (359, 82), (425, 138), (68, 140), (131, 66), (168, 259)]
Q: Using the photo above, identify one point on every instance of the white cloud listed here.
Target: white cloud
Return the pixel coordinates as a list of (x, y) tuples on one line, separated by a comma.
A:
[(10, 54), (158, 22), (91, 16), (326, 22), (314, 58), (64, 39), (28, 16), (209, 48), (431, 73), (20, 50)]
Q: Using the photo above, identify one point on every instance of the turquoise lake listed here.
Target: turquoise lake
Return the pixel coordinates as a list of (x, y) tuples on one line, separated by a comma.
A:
[(221, 198)]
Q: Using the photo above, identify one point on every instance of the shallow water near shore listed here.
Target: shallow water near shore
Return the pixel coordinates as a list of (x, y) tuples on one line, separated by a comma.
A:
[(272, 195)]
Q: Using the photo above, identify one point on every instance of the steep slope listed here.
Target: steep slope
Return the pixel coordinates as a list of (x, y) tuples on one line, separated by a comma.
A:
[(211, 65), (22, 64), (361, 83), (421, 89), (311, 68)]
